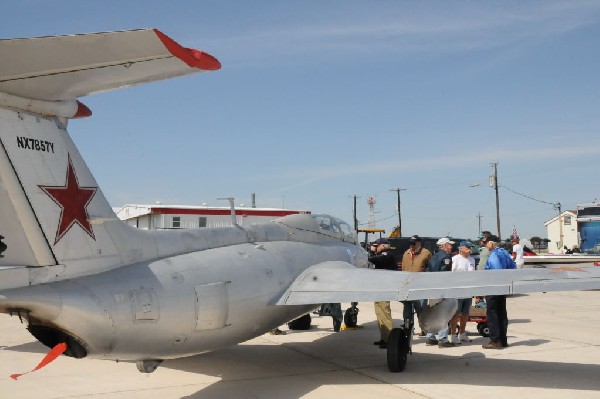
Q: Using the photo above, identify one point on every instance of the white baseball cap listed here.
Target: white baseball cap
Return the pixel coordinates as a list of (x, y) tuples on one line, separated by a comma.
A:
[(444, 241)]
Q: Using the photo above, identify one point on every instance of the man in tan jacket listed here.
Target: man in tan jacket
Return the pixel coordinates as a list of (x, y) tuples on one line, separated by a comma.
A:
[(415, 259)]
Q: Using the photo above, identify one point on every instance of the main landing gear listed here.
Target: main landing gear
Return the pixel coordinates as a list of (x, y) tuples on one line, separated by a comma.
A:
[(399, 346)]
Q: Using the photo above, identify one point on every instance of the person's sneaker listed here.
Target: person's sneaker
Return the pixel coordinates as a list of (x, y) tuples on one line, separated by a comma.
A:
[(464, 337), (445, 344), (383, 345), (453, 339), (431, 342), (276, 331), (492, 345), (378, 342)]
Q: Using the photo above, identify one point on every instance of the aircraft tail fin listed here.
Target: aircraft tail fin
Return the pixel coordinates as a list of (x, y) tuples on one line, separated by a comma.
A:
[(51, 209)]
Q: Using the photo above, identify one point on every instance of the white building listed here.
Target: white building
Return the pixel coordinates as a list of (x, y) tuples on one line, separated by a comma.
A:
[(567, 223), (156, 217)]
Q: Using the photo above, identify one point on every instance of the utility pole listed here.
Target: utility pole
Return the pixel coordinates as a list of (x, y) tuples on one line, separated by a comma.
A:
[(397, 190), (558, 206), (479, 216), (354, 214), (494, 185)]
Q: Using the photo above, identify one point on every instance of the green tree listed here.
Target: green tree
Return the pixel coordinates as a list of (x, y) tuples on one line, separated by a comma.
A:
[(536, 241)]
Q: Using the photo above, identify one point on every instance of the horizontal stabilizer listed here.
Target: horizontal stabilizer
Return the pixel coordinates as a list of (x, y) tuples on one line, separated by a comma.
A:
[(57, 68), (332, 282), (53, 215)]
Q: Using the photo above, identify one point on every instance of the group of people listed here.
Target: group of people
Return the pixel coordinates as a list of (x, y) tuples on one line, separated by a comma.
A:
[(420, 259)]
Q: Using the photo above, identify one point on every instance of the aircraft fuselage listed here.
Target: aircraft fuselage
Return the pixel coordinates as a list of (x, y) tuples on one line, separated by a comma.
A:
[(181, 305)]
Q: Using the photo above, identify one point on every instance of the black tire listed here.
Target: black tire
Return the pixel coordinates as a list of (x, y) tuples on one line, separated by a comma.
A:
[(483, 329), (351, 317), (397, 350), (301, 323)]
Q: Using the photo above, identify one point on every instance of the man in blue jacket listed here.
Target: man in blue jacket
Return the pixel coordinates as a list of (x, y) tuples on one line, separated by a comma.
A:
[(497, 318)]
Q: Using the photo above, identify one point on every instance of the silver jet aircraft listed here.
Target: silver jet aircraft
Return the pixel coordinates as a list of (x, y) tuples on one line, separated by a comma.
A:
[(81, 278)]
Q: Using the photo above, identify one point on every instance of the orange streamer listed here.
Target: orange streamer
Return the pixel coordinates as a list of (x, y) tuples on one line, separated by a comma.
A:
[(49, 358)]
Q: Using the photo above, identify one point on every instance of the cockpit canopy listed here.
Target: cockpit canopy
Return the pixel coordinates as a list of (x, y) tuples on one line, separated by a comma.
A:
[(320, 224)]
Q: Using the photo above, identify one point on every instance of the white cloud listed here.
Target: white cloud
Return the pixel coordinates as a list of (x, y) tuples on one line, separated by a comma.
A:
[(305, 177), (403, 27)]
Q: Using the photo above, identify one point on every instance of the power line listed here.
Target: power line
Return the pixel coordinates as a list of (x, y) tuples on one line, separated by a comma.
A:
[(380, 220), (527, 196)]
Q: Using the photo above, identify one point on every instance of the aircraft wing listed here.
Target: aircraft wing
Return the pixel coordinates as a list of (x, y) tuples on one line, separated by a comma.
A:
[(67, 67), (332, 282)]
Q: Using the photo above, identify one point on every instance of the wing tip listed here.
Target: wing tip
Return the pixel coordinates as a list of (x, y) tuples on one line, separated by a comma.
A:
[(192, 57), (82, 111)]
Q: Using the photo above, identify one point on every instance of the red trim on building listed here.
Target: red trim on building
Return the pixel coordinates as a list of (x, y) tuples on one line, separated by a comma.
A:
[(223, 212), (193, 58)]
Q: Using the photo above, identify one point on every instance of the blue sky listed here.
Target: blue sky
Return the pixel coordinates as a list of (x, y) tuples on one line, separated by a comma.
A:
[(319, 101)]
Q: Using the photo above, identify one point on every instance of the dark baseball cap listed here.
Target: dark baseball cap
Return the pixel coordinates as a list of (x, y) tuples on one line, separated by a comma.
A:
[(493, 238), (381, 241), (414, 239)]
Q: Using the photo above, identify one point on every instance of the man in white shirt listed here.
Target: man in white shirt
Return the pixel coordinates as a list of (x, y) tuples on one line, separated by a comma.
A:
[(517, 253), (463, 262)]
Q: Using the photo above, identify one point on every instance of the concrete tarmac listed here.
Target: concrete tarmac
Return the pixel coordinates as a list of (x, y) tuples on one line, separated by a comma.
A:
[(554, 353)]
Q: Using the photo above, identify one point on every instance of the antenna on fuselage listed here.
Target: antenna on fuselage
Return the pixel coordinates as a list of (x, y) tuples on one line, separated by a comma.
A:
[(232, 207)]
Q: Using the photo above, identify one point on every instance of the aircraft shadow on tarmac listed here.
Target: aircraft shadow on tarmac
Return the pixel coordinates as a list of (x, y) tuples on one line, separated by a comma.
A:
[(30, 347), (348, 357), (248, 370)]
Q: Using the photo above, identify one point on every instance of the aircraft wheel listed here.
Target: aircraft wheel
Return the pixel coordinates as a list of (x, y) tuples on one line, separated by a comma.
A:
[(351, 317), (483, 329), (397, 350), (148, 366), (301, 323)]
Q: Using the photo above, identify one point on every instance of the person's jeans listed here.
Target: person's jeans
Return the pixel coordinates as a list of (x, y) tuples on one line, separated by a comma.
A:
[(497, 318)]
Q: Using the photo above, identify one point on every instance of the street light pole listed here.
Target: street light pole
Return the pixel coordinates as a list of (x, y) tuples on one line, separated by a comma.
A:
[(479, 216)]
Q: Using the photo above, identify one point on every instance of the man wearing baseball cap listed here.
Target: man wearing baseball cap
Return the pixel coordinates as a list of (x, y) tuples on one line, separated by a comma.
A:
[(517, 250), (497, 317), (441, 261), (463, 262), (483, 251), (415, 259), (383, 260)]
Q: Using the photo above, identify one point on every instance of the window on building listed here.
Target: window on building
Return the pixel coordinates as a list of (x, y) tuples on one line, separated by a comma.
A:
[(567, 220), (176, 222), (202, 221)]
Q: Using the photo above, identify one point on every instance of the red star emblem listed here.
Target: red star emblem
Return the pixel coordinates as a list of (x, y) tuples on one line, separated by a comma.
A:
[(73, 201)]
